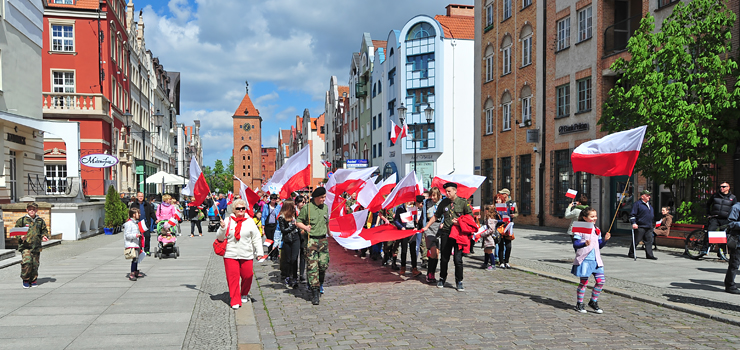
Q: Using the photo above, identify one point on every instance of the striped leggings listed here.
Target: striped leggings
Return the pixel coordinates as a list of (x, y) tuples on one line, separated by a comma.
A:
[(598, 287)]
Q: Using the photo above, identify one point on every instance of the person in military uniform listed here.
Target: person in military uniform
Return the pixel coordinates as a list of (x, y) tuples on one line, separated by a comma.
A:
[(314, 219), (390, 248), (450, 209), (30, 244)]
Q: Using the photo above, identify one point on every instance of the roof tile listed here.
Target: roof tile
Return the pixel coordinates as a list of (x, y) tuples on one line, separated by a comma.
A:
[(79, 4), (246, 108), (457, 27)]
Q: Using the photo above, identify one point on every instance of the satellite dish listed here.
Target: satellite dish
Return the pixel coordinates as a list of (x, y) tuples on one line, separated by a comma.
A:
[(346, 154)]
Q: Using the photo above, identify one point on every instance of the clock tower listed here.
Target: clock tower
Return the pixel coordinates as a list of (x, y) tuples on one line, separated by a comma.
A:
[(247, 144)]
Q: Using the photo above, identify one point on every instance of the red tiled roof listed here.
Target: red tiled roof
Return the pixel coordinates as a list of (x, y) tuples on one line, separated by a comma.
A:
[(246, 108), (284, 136), (380, 43), (341, 90), (458, 27), (79, 4)]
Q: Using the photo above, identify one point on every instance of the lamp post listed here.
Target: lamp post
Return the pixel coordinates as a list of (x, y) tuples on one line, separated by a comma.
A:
[(128, 118), (428, 112), (323, 157)]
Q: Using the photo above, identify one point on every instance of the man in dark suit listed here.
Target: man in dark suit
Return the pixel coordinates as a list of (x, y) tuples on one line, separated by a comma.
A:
[(643, 225)]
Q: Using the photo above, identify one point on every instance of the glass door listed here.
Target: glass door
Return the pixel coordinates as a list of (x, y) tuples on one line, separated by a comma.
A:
[(621, 208)]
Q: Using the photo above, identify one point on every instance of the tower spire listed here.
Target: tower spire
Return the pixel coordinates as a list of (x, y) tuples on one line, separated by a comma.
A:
[(247, 82)]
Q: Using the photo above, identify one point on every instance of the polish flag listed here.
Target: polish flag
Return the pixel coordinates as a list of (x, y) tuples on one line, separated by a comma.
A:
[(230, 198), (501, 208), (385, 233), (408, 216), (717, 237), (466, 184), (326, 163), (371, 196), (337, 206), (583, 228), (172, 221), (505, 219), (142, 226), (398, 132), (248, 196), (294, 175), (355, 206), (197, 186), (346, 230), (611, 155), (349, 180), (268, 242), (405, 191), (571, 193)]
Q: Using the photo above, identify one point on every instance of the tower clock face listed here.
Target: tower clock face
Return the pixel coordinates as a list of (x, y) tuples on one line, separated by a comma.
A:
[(247, 126)]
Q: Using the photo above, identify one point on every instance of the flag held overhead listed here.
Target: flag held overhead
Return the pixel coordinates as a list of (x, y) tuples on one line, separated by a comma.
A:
[(571, 193), (611, 155)]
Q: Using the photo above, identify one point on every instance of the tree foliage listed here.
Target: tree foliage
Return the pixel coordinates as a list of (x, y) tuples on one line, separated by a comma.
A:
[(220, 177), (676, 83)]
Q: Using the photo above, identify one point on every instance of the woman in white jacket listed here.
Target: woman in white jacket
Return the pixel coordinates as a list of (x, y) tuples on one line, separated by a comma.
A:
[(243, 245), (132, 239)]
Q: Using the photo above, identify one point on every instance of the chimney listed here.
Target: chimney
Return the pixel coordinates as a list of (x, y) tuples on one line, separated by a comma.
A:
[(454, 10)]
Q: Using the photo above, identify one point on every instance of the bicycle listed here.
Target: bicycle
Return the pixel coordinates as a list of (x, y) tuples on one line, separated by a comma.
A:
[(697, 244)]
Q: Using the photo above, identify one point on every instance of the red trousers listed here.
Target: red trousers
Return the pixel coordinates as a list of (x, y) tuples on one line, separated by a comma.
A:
[(236, 269)]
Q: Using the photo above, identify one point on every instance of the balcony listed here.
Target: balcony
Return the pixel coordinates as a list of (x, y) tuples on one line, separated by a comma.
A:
[(67, 104), (618, 35), (360, 90)]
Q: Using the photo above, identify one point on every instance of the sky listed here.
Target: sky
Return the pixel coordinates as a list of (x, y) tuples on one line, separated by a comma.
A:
[(286, 49)]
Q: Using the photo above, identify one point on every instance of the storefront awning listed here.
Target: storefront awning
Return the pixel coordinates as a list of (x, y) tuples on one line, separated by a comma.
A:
[(67, 131)]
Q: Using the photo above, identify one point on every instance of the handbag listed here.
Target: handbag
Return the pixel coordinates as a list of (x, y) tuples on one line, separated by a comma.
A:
[(219, 247), (130, 253)]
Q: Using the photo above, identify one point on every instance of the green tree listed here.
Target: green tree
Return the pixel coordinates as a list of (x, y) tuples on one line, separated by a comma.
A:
[(112, 208), (676, 83), (220, 177)]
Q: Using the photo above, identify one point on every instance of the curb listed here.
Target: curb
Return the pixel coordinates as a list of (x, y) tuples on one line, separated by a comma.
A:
[(248, 334), (698, 311)]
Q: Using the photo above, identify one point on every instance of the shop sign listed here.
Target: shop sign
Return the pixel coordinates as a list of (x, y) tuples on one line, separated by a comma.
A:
[(356, 163), (577, 127), (99, 160)]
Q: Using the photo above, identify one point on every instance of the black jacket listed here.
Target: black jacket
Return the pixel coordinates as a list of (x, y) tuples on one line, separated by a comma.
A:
[(148, 210), (642, 215), (720, 205), (288, 229)]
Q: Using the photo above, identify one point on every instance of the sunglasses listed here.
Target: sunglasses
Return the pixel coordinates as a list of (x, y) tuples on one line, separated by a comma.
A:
[(240, 208), (724, 186)]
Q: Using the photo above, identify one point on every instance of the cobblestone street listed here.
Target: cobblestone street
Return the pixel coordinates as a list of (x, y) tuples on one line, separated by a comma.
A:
[(369, 306)]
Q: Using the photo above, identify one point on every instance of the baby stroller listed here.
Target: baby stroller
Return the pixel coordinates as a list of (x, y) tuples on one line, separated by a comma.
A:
[(213, 221), (166, 245)]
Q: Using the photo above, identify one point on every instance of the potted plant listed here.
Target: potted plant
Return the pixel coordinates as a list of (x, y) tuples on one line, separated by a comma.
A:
[(112, 210)]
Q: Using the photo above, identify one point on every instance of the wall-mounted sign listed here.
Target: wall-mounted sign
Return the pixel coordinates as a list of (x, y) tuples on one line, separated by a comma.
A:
[(17, 139), (392, 154), (356, 163), (99, 160), (533, 136), (577, 127)]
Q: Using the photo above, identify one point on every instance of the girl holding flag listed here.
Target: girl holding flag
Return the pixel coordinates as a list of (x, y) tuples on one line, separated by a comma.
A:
[(132, 233), (587, 241), (504, 246)]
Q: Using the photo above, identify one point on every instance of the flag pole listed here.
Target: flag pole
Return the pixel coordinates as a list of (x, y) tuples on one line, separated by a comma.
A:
[(616, 212)]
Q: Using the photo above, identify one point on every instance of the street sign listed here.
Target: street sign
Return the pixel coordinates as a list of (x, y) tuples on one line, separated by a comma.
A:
[(356, 163), (329, 174), (99, 160)]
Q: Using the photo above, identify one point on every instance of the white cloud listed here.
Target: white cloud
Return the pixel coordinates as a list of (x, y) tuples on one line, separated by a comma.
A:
[(265, 98), (270, 141)]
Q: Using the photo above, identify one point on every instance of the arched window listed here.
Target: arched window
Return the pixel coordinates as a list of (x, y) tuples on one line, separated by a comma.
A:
[(506, 55), (489, 63), (506, 111), (489, 116), (526, 97), (421, 30)]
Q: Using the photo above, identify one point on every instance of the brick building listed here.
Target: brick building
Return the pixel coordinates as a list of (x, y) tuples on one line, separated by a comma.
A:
[(269, 160), (247, 139)]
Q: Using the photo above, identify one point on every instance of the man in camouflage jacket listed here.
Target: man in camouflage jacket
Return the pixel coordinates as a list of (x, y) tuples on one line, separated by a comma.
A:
[(30, 244)]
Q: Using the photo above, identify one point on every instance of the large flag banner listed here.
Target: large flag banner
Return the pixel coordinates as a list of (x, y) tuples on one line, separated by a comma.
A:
[(398, 132), (197, 186), (248, 196), (294, 175), (349, 180), (346, 229), (405, 191), (611, 155), (466, 184), (371, 196), (717, 237), (385, 233)]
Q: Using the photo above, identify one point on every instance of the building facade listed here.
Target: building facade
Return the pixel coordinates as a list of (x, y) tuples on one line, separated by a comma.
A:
[(247, 141), (269, 160)]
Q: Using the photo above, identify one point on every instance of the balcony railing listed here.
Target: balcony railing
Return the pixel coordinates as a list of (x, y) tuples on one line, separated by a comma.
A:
[(69, 103), (617, 36)]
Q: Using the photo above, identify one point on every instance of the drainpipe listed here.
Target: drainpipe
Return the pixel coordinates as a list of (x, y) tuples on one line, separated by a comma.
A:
[(543, 145)]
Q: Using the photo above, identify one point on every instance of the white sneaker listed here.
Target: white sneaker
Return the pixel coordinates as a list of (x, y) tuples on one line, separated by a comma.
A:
[(503, 266), (235, 307), (246, 299)]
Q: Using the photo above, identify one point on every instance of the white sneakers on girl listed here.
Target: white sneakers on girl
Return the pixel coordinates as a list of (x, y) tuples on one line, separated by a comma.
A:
[(235, 307), (246, 299)]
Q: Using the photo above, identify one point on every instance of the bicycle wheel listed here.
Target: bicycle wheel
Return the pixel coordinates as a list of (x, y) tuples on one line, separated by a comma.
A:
[(695, 244), (722, 252)]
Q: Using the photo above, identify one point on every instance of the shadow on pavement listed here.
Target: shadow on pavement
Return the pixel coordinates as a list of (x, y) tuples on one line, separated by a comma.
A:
[(710, 285), (46, 280), (223, 297), (719, 271), (540, 300), (701, 302)]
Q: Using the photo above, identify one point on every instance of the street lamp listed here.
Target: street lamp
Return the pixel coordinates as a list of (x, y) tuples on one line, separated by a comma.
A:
[(323, 157), (428, 112)]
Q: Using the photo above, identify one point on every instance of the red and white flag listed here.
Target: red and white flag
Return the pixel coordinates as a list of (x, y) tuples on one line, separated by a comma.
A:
[(466, 184), (398, 132), (248, 196), (571, 193), (230, 198), (501, 208), (371, 196), (505, 219), (719, 237), (197, 186), (611, 155), (349, 180), (142, 226), (294, 175), (385, 233), (583, 228), (172, 221), (326, 163), (405, 191), (408, 216), (268, 242), (355, 206), (346, 230)]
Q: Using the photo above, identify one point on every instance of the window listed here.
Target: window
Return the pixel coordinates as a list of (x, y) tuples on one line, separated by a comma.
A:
[(380, 86), (375, 89), (563, 34), (62, 38), (420, 31), (425, 138), (584, 95), (506, 60), (380, 120), (391, 76), (56, 179), (507, 9), (487, 193), (489, 121), (380, 149), (526, 108), (489, 15), (63, 82), (565, 179), (391, 108), (420, 63), (663, 3), (375, 151), (526, 3), (584, 24), (524, 190), (527, 51), (64, 2), (489, 68), (563, 100), (419, 98), (375, 122), (506, 116), (504, 167)]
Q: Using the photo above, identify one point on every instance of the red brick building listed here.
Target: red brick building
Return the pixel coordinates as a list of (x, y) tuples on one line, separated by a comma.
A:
[(85, 79), (247, 140), (269, 161)]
